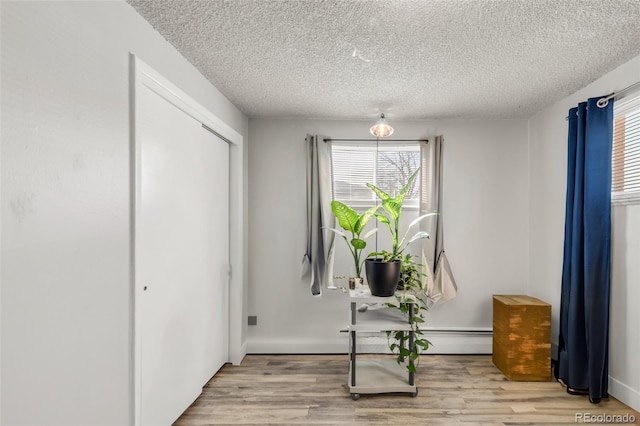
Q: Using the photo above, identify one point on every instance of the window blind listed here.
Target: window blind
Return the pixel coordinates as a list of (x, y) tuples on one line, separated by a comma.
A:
[(386, 166), (625, 182)]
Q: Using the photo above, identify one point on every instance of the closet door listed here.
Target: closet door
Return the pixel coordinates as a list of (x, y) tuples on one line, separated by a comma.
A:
[(214, 324), (182, 247)]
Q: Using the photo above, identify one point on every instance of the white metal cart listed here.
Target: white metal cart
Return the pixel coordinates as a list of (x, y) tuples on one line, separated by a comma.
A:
[(382, 375)]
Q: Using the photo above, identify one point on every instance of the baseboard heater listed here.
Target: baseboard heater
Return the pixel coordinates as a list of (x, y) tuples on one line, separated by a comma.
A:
[(457, 330), (462, 330)]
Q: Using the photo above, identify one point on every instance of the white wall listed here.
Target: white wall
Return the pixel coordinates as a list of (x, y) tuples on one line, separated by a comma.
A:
[(66, 271), (485, 216), (548, 158)]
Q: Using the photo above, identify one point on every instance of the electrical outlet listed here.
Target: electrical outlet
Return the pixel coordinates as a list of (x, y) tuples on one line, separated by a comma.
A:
[(253, 320)]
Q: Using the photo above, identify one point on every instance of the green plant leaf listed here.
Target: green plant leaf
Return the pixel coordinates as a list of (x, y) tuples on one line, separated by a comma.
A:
[(358, 244), (337, 231), (370, 233), (347, 217), (363, 219), (418, 236), (379, 192), (424, 343), (382, 218), (393, 207), (411, 368), (419, 218), (403, 192), (413, 223)]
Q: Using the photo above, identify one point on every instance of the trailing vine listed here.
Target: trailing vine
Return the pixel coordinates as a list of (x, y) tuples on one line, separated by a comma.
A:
[(410, 287)]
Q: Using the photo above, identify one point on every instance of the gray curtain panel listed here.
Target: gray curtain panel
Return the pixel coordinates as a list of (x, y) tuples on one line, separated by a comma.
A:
[(440, 284), (317, 262)]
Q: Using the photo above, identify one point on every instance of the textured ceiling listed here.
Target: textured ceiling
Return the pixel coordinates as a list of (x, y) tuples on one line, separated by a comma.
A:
[(408, 59)]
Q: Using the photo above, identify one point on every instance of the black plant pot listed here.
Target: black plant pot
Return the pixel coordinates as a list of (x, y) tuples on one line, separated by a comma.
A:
[(382, 276)]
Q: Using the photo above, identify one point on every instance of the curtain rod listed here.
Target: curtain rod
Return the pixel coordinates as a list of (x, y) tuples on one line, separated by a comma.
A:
[(375, 140), (603, 101)]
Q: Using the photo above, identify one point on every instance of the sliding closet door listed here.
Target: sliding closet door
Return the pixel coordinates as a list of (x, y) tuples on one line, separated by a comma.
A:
[(182, 246), (214, 325)]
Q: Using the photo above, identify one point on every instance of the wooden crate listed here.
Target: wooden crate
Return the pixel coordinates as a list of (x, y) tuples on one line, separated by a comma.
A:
[(522, 337)]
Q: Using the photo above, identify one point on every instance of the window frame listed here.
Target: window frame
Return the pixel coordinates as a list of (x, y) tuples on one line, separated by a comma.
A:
[(623, 108), (410, 204)]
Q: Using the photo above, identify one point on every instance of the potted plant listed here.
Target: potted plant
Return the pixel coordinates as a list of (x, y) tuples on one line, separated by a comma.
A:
[(354, 224), (384, 269), (407, 276)]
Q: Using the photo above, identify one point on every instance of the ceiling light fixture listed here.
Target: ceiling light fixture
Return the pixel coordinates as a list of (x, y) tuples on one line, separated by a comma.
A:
[(381, 129)]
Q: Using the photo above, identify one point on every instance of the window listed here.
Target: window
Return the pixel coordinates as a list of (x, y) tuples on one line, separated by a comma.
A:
[(388, 166), (625, 182)]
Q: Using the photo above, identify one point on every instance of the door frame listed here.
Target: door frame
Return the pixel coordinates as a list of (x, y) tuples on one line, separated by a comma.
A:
[(142, 75)]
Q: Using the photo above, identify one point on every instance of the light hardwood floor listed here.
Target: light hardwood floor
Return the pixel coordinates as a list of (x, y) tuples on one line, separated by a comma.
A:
[(453, 389)]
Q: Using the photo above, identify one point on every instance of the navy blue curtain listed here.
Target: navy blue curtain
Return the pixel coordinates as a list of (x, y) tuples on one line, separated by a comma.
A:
[(584, 311)]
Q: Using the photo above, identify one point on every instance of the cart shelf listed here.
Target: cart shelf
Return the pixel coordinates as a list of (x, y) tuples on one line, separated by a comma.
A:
[(378, 375)]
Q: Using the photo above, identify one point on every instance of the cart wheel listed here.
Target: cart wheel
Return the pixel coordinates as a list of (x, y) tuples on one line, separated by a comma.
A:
[(414, 394), (355, 396)]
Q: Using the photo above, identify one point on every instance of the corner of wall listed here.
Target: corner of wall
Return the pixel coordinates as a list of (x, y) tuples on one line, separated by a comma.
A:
[(529, 262)]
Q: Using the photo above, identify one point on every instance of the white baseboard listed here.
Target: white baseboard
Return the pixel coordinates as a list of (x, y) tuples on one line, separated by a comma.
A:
[(295, 346), (441, 343), (236, 358), (460, 342), (624, 393)]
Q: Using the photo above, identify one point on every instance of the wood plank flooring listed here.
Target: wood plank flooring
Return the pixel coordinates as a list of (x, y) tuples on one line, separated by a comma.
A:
[(453, 389)]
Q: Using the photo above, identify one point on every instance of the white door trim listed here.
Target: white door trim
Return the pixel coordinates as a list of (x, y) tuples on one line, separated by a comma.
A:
[(141, 75)]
